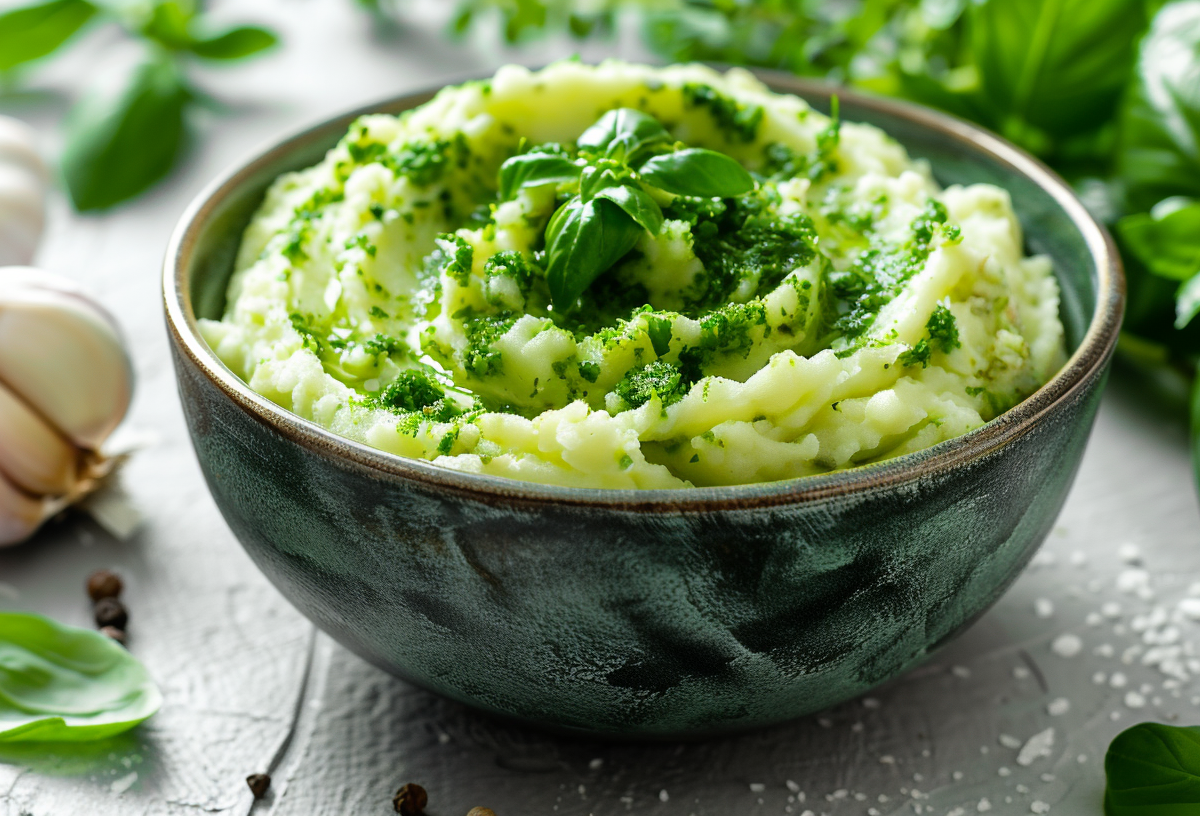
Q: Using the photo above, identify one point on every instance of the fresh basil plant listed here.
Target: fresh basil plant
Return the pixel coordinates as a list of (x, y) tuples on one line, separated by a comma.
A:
[(1153, 770), (63, 684), (618, 160), (120, 144)]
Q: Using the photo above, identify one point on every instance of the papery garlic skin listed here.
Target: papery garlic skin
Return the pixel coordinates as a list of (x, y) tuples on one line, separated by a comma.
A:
[(23, 184), (65, 383)]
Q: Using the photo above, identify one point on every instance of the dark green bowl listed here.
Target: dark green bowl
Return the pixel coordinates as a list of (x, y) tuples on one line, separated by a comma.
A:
[(647, 613)]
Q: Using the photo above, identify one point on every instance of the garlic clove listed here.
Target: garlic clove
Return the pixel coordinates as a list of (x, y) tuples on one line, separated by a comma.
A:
[(18, 146), (22, 213), (20, 514), (33, 455), (23, 180), (62, 355)]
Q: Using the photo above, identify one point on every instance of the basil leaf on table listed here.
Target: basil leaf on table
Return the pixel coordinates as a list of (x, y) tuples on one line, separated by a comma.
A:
[(533, 169), (63, 684), (582, 242), (234, 44), (1058, 65), (1158, 153), (117, 146), (697, 172), (622, 132), (1153, 770), (32, 32)]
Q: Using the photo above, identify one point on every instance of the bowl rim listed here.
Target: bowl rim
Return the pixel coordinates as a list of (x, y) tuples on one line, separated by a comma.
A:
[(1084, 364)]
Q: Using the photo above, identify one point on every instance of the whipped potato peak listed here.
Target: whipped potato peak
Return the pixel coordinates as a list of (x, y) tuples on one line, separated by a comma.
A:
[(630, 277)]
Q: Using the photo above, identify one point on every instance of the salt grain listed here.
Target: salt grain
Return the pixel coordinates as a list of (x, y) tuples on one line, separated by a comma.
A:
[(1118, 680), (1135, 700), (1067, 645), (1009, 741), (984, 806), (1058, 707), (1130, 554), (1043, 608), (757, 787), (663, 796), (1021, 673), (1039, 807), (1036, 747)]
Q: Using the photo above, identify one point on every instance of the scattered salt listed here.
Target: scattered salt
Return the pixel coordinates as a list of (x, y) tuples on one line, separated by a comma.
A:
[(887, 759), (1009, 741), (870, 702), (757, 787), (984, 806), (960, 671), (1021, 673), (1190, 607), (1058, 707), (792, 786), (1111, 609), (663, 796), (1134, 699), (596, 764), (1043, 608), (1039, 807), (1118, 680)]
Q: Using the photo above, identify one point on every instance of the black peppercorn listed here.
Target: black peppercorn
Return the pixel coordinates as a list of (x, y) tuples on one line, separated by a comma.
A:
[(104, 584), (410, 800), (111, 612), (258, 784), (113, 632)]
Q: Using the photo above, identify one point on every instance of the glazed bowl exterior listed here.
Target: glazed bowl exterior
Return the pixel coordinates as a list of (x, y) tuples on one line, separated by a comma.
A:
[(647, 614)]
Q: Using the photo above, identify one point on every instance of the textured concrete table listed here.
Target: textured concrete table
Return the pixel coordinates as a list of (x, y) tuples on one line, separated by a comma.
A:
[(1014, 717)]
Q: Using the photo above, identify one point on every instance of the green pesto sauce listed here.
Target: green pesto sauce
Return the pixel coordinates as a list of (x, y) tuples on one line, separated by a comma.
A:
[(747, 248)]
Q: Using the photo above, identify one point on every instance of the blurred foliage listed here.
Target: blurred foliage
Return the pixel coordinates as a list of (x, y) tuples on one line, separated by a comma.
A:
[(122, 141)]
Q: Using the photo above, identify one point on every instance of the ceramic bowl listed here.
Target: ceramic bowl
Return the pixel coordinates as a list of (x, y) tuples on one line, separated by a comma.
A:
[(647, 614)]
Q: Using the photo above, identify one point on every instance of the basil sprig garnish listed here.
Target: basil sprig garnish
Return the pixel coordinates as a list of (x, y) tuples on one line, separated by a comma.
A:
[(617, 159)]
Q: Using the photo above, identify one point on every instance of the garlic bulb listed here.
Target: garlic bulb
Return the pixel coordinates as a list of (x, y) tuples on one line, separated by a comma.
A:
[(65, 384), (23, 180)]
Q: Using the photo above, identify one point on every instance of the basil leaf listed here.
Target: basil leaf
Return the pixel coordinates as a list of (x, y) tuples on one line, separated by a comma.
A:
[(1166, 239), (1187, 301), (117, 146), (534, 169), (32, 32), (582, 242), (63, 684), (168, 24), (1058, 65), (697, 172), (1153, 768), (1159, 143), (234, 44), (622, 132), (637, 204)]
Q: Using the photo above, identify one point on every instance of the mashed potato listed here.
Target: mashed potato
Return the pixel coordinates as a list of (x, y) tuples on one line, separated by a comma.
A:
[(845, 310)]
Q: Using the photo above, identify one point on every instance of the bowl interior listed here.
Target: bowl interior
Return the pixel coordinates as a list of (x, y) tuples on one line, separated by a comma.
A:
[(955, 156)]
